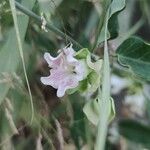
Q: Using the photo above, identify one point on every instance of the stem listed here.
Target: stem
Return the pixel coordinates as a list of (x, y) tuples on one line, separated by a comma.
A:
[(14, 14), (101, 23), (48, 25), (105, 98)]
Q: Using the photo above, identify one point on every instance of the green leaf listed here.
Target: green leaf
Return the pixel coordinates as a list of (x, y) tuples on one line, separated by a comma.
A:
[(82, 54), (85, 54), (92, 111), (115, 7), (9, 54), (135, 54), (135, 131)]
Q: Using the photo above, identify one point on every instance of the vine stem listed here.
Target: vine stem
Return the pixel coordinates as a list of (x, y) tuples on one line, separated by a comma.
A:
[(14, 14), (48, 25), (105, 95)]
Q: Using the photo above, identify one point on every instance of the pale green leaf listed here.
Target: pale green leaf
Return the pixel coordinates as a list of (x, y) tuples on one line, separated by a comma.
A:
[(92, 111)]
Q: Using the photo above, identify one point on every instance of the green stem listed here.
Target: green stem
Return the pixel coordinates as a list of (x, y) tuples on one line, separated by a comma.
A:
[(48, 25), (105, 96), (14, 14), (101, 23)]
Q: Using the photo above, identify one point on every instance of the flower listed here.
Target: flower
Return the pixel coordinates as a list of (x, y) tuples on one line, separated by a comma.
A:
[(65, 70)]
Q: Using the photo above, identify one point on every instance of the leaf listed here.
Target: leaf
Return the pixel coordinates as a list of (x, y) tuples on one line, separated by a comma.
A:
[(135, 131), (92, 111), (135, 54), (96, 66), (9, 54), (115, 7), (82, 54)]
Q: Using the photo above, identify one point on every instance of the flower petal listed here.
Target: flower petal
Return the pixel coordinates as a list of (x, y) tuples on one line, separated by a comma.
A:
[(69, 50), (47, 81), (53, 61), (57, 75), (68, 83), (69, 53), (61, 91)]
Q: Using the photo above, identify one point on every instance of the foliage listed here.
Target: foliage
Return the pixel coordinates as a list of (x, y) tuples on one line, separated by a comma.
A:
[(135, 131), (135, 53)]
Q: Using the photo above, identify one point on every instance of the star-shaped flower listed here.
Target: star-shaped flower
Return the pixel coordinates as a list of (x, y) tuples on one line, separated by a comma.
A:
[(65, 71)]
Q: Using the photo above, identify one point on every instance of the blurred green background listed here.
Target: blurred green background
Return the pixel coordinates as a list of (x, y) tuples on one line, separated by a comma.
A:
[(60, 123)]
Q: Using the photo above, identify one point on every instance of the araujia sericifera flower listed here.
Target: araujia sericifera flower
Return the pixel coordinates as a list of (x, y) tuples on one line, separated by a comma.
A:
[(66, 71), (71, 71)]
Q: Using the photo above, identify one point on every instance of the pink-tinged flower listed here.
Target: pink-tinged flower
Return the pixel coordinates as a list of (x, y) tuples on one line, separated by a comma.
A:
[(65, 71)]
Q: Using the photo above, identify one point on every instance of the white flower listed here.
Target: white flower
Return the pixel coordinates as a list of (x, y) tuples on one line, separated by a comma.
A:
[(65, 71)]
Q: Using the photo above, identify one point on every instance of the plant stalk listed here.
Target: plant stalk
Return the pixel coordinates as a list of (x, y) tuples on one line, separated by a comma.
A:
[(48, 25), (105, 96)]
